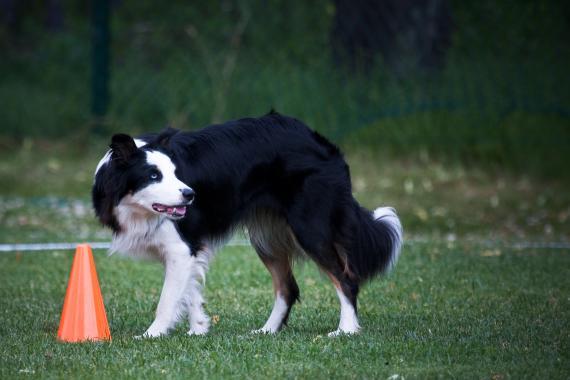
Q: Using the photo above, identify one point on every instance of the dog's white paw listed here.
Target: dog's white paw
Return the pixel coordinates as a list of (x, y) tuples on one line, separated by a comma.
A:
[(198, 329), (152, 333), (339, 332), (146, 335), (197, 332), (264, 330)]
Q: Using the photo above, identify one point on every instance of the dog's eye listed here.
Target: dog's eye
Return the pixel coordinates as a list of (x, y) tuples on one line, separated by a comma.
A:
[(154, 175)]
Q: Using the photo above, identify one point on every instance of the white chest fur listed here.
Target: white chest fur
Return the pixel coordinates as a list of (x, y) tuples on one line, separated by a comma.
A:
[(143, 236)]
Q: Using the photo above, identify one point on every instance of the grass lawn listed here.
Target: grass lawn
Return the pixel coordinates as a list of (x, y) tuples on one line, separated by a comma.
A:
[(447, 311), (461, 302)]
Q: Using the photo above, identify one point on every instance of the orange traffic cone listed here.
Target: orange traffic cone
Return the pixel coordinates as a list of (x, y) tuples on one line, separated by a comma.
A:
[(83, 316)]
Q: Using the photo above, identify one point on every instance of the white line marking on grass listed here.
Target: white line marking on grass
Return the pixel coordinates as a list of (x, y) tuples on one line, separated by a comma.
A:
[(65, 246), (521, 245)]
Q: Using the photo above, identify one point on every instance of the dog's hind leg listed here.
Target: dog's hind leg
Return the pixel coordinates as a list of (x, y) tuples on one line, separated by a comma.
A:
[(347, 286), (347, 291), (318, 241), (286, 293), (275, 246), (199, 320)]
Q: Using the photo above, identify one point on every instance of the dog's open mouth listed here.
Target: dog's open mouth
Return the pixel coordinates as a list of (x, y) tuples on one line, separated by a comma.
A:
[(176, 211)]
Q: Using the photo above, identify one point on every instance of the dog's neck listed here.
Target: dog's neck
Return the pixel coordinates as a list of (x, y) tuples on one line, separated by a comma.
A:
[(137, 232)]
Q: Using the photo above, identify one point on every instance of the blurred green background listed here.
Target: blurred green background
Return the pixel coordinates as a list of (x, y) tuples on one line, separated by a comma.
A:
[(481, 82), (457, 113)]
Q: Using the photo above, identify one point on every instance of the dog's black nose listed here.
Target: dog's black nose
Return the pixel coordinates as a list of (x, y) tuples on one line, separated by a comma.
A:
[(188, 194)]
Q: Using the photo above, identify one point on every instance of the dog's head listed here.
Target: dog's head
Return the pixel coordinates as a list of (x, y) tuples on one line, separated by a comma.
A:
[(141, 178)]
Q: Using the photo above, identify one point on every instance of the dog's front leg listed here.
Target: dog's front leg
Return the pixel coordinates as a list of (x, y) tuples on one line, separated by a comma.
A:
[(177, 263), (199, 320)]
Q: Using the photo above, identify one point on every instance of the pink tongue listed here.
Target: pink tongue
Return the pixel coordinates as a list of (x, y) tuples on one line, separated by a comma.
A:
[(177, 210)]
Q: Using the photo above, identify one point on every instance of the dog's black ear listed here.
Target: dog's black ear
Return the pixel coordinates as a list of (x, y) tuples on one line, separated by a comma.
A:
[(164, 137), (123, 146)]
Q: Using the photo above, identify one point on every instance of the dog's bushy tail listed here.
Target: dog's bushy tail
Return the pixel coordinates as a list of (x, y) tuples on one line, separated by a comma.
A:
[(377, 242)]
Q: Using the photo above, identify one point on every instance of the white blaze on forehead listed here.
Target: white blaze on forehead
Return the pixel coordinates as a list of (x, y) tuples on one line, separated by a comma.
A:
[(162, 162), (107, 156)]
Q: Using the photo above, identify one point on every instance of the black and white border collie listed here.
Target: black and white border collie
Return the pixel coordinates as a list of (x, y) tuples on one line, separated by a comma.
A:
[(178, 196)]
